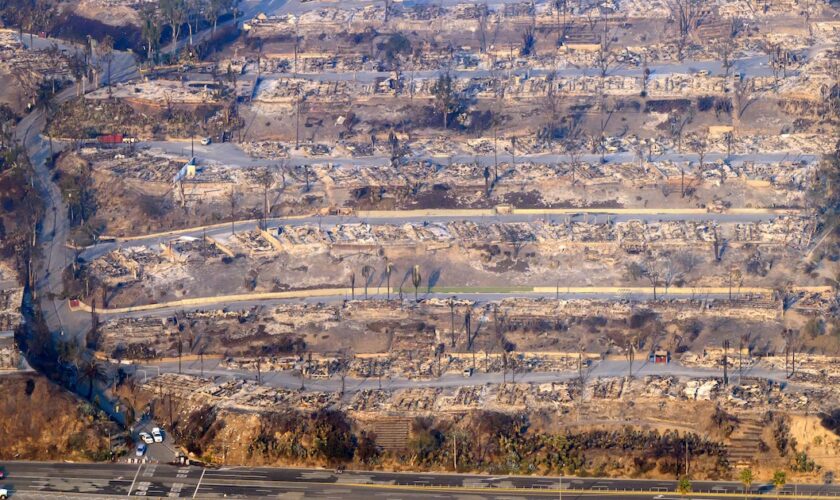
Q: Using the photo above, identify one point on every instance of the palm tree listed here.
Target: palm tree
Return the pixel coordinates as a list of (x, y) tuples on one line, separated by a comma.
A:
[(416, 278), (92, 371), (389, 267), (367, 272), (44, 101), (68, 352)]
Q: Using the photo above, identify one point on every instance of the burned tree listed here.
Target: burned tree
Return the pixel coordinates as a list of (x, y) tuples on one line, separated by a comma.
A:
[(233, 201), (686, 15), (416, 279), (367, 274), (266, 179), (446, 98)]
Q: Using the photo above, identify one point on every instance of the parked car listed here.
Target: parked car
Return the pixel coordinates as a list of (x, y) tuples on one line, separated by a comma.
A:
[(4, 494), (206, 141), (141, 449), (147, 438), (157, 435)]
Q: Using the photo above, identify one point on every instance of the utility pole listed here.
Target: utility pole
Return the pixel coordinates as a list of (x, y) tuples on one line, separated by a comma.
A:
[(452, 320), (297, 120), (301, 376)]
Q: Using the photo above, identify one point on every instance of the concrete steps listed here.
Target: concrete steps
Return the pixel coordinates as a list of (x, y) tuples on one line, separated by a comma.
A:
[(392, 432), (743, 444)]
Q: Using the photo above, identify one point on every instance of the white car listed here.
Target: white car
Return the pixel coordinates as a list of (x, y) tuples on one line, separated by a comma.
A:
[(141, 450), (206, 141), (4, 494), (157, 435), (147, 438)]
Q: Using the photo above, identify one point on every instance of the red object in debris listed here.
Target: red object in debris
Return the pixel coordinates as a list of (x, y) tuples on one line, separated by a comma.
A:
[(74, 303), (110, 139)]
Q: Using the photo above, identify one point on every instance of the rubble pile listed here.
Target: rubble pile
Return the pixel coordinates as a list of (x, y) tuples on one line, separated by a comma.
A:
[(136, 338), (30, 67), (703, 390), (236, 394), (160, 92), (10, 303), (121, 266), (10, 357), (792, 231), (250, 243), (142, 165), (608, 388), (128, 264)]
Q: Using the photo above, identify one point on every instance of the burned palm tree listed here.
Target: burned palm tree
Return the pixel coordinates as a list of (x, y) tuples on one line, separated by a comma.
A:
[(367, 272), (389, 268), (416, 279)]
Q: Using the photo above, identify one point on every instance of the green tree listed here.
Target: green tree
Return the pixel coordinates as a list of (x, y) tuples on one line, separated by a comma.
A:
[(91, 371), (106, 53), (746, 477), (174, 11), (684, 486), (150, 28), (779, 481), (44, 101), (214, 10)]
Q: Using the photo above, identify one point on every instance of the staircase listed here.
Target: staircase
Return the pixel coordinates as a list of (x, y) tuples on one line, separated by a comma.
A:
[(392, 432), (743, 443)]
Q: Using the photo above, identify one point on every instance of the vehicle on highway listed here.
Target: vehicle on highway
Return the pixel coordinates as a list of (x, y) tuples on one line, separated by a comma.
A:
[(206, 141), (2, 474), (147, 438), (141, 449), (4, 494), (157, 435)]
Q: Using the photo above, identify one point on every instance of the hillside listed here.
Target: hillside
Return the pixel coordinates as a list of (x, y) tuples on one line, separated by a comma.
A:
[(41, 421)]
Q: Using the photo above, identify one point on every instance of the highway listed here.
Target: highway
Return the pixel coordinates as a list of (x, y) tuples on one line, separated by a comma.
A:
[(55, 480)]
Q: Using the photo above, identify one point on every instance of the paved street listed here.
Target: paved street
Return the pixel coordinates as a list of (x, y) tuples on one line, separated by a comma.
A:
[(51, 480), (606, 368), (231, 154), (331, 221)]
